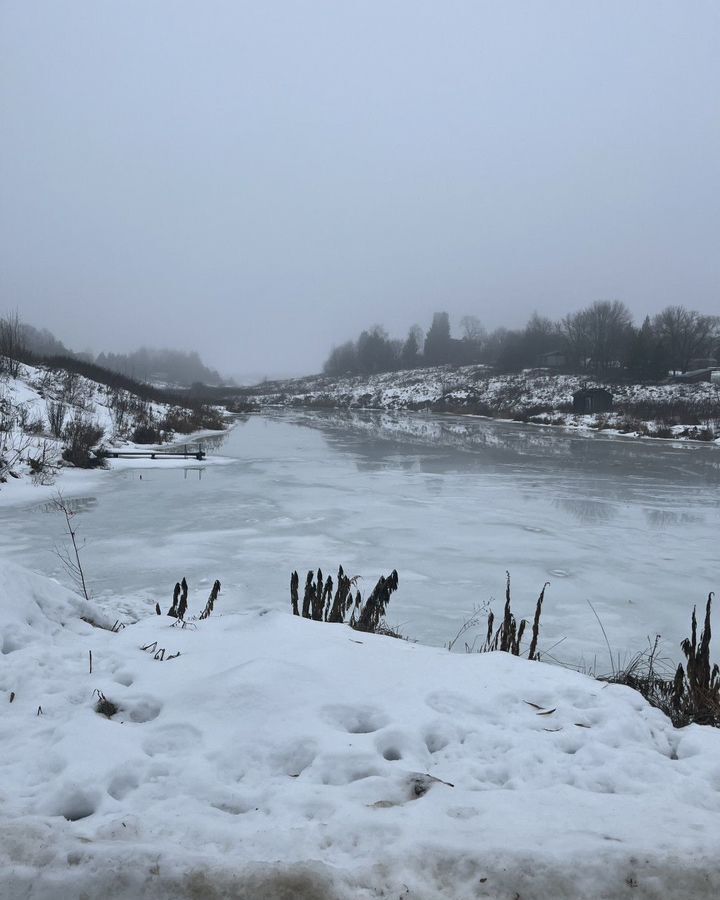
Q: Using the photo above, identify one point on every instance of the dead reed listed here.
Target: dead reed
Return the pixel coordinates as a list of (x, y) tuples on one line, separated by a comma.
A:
[(179, 606), (507, 637), (180, 600), (687, 694), (319, 602), (210, 605)]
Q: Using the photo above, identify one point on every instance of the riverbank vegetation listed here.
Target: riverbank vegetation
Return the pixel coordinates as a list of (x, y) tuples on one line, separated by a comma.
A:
[(277, 735), (62, 411), (686, 694)]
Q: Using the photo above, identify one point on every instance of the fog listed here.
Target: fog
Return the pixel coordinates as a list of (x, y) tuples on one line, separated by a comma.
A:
[(258, 181)]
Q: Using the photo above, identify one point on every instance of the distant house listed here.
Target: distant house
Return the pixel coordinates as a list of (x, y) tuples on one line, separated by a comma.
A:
[(592, 400), (553, 360), (695, 376)]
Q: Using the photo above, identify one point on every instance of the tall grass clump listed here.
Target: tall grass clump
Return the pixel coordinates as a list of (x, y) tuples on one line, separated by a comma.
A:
[(508, 635), (687, 694), (322, 605)]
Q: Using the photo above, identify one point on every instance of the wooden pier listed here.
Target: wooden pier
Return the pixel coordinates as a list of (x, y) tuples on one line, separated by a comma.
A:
[(186, 452)]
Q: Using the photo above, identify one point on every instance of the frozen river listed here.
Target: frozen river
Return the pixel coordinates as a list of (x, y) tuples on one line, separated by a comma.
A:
[(451, 503)]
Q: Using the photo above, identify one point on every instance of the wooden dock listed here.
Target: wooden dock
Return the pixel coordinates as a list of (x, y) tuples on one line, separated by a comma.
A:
[(186, 452)]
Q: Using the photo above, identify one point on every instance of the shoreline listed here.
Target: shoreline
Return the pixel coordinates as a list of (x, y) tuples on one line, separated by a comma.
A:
[(670, 411), (568, 428)]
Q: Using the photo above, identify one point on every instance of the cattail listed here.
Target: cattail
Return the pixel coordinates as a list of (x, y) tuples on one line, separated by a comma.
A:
[(210, 605), (307, 598), (183, 604), (173, 611), (294, 584), (532, 652)]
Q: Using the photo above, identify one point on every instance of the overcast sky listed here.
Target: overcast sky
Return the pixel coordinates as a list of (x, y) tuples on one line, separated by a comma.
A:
[(258, 181)]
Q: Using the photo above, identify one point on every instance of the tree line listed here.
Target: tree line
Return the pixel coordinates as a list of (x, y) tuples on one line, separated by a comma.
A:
[(19, 340), (601, 339)]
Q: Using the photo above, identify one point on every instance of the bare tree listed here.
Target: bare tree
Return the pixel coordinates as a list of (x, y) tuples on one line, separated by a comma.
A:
[(686, 334), (12, 344), (56, 411), (598, 336), (472, 329)]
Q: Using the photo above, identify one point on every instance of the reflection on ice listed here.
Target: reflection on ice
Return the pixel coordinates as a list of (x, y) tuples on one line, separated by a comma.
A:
[(74, 505), (586, 510), (382, 438), (664, 519)]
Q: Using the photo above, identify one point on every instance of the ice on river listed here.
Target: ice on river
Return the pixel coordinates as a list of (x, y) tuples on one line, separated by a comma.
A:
[(451, 503)]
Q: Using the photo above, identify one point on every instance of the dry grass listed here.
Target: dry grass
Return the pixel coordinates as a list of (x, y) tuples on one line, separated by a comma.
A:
[(508, 636), (210, 605), (687, 694), (320, 604)]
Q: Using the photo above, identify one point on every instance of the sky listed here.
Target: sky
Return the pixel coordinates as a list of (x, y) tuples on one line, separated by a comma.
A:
[(259, 181)]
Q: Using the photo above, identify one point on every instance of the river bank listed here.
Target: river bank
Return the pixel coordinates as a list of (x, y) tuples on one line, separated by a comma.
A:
[(668, 410), (227, 759)]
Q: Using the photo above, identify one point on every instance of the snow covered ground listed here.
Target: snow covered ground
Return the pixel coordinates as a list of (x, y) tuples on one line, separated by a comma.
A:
[(280, 758), (276, 757), (26, 405), (533, 395)]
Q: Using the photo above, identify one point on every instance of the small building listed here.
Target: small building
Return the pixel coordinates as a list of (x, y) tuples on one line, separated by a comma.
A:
[(553, 360), (592, 400)]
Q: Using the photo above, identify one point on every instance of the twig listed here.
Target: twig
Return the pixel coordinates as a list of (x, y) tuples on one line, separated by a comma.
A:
[(74, 567), (612, 664)]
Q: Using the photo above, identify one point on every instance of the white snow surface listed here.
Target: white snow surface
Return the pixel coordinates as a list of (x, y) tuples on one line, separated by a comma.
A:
[(276, 757)]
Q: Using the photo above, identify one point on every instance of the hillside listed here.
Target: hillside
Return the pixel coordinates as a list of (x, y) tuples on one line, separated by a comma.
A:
[(681, 411), (52, 417)]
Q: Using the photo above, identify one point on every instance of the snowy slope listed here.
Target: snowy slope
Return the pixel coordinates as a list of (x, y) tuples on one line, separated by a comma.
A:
[(533, 395), (279, 757), (25, 404)]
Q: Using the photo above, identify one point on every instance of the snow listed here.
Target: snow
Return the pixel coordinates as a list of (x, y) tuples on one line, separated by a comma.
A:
[(262, 755), (278, 757), (536, 395), (26, 399)]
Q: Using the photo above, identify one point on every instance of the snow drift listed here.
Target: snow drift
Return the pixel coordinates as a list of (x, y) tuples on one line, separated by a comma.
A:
[(280, 757)]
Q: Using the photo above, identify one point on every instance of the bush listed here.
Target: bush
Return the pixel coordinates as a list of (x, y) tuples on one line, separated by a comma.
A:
[(80, 437), (183, 420), (146, 433)]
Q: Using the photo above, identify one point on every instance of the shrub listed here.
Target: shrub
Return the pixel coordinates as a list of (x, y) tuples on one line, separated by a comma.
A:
[(663, 431), (80, 437), (43, 464), (146, 433), (185, 420)]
